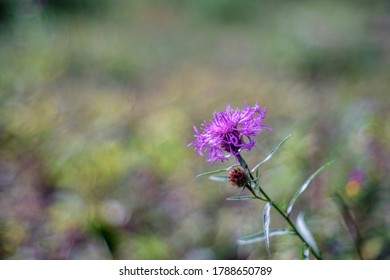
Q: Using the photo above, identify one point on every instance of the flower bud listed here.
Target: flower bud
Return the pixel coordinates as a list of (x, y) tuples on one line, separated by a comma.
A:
[(238, 177)]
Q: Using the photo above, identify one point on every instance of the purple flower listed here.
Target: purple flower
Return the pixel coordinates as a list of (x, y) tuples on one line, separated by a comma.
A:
[(357, 175), (230, 132), (355, 182)]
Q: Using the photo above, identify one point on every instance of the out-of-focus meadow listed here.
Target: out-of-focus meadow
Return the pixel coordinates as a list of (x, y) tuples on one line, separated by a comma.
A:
[(97, 105)]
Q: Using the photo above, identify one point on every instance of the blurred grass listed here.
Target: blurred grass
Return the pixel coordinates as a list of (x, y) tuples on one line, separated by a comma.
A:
[(97, 104)]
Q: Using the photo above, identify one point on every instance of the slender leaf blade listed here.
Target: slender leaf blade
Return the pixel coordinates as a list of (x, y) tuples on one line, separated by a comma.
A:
[(217, 171), (274, 150), (218, 178), (305, 254), (304, 186), (306, 234), (259, 236), (266, 223), (241, 198)]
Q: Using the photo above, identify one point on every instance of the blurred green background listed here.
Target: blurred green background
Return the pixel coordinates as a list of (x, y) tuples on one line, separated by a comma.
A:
[(97, 105)]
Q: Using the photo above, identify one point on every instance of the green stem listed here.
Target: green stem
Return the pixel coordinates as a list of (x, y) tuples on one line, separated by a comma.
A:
[(275, 205), (245, 166), (287, 218), (248, 173)]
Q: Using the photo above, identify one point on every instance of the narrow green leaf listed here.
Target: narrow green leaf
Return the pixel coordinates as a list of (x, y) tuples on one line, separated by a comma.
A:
[(305, 252), (258, 237), (241, 198), (304, 186), (218, 171), (270, 154), (306, 234), (266, 222), (219, 178)]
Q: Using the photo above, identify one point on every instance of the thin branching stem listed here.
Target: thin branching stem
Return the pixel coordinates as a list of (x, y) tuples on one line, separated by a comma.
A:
[(266, 198)]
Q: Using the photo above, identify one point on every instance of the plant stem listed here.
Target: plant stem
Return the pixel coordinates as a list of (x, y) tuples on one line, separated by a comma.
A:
[(244, 165), (287, 218), (351, 223)]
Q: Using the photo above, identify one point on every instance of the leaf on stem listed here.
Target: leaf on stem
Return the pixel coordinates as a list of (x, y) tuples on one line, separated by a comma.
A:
[(304, 186), (305, 252), (218, 171), (218, 178), (270, 154), (306, 234), (241, 198), (266, 222), (258, 237)]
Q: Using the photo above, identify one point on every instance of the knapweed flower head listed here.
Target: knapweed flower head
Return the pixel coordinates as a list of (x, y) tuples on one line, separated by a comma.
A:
[(230, 132)]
